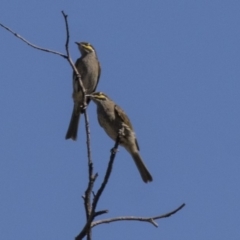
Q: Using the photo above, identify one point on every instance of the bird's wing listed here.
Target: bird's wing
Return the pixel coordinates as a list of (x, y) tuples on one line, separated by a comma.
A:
[(99, 74), (80, 67), (124, 118)]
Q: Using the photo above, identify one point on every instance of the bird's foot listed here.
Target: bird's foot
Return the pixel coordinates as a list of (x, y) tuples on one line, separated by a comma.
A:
[(114, 150)]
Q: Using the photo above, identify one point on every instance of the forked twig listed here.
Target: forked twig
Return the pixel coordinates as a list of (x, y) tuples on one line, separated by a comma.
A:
[(87, 226), (71, 62), (87, 198), (91, 178), (30, 44)]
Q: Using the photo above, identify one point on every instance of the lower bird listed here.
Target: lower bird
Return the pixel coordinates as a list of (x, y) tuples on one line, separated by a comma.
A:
[(113, 119)]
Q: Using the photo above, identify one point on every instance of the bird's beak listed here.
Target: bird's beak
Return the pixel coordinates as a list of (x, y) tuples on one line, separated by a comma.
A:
[(77, 43)]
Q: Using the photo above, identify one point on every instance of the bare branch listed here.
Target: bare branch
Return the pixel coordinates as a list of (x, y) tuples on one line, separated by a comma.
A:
[(87, 196), (100, 213), (87, 199), (107, 175), (90, 163), (142, 219), (71, 62), (91, 178), (89, 235), (87, 226), (51, 51), (30, 44), (67, 32)]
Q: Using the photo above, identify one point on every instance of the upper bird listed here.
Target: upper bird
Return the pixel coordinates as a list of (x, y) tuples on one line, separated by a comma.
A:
[(112, 119), (89, 68)]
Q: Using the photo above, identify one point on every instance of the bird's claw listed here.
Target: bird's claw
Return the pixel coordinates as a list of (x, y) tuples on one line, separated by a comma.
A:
[(114, 150)]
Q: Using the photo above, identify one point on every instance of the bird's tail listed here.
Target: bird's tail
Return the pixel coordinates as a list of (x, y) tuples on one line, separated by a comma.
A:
[(73, 126), (145, 174)]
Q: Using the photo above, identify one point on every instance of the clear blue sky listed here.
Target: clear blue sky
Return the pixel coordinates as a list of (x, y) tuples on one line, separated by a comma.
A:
[(173, 66)]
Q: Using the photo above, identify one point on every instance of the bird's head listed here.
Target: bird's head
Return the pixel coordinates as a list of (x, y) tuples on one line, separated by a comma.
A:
[(85, 47), (98, 97)]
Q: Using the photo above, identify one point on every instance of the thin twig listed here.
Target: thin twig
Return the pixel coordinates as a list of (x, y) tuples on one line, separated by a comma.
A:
[(71, 62), (87, 226), (90, 163), (142, 219), (89, 235), (98, 213), (30, 44), (67, 32), (87, 197), (107, 175), (91, 178), (67, 50)]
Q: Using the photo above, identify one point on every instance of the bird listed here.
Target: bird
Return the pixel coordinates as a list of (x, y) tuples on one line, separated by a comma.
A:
[(113, 119), (89, 68)]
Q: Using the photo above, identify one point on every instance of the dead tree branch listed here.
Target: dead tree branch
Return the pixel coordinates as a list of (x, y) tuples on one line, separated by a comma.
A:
[(142, 219), (70, 60), (87, 197), (87, 226), (30, 44), (91, 177)]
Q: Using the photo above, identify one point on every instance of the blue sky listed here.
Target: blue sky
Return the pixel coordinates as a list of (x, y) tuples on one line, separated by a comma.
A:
[(173, 66)]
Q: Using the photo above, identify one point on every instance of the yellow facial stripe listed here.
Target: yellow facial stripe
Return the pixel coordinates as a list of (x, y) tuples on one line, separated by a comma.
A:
[(99, 96), (88, 47)]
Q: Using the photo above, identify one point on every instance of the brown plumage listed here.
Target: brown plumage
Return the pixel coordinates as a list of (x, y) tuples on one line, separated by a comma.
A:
[(89, 68), (112, 118)]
